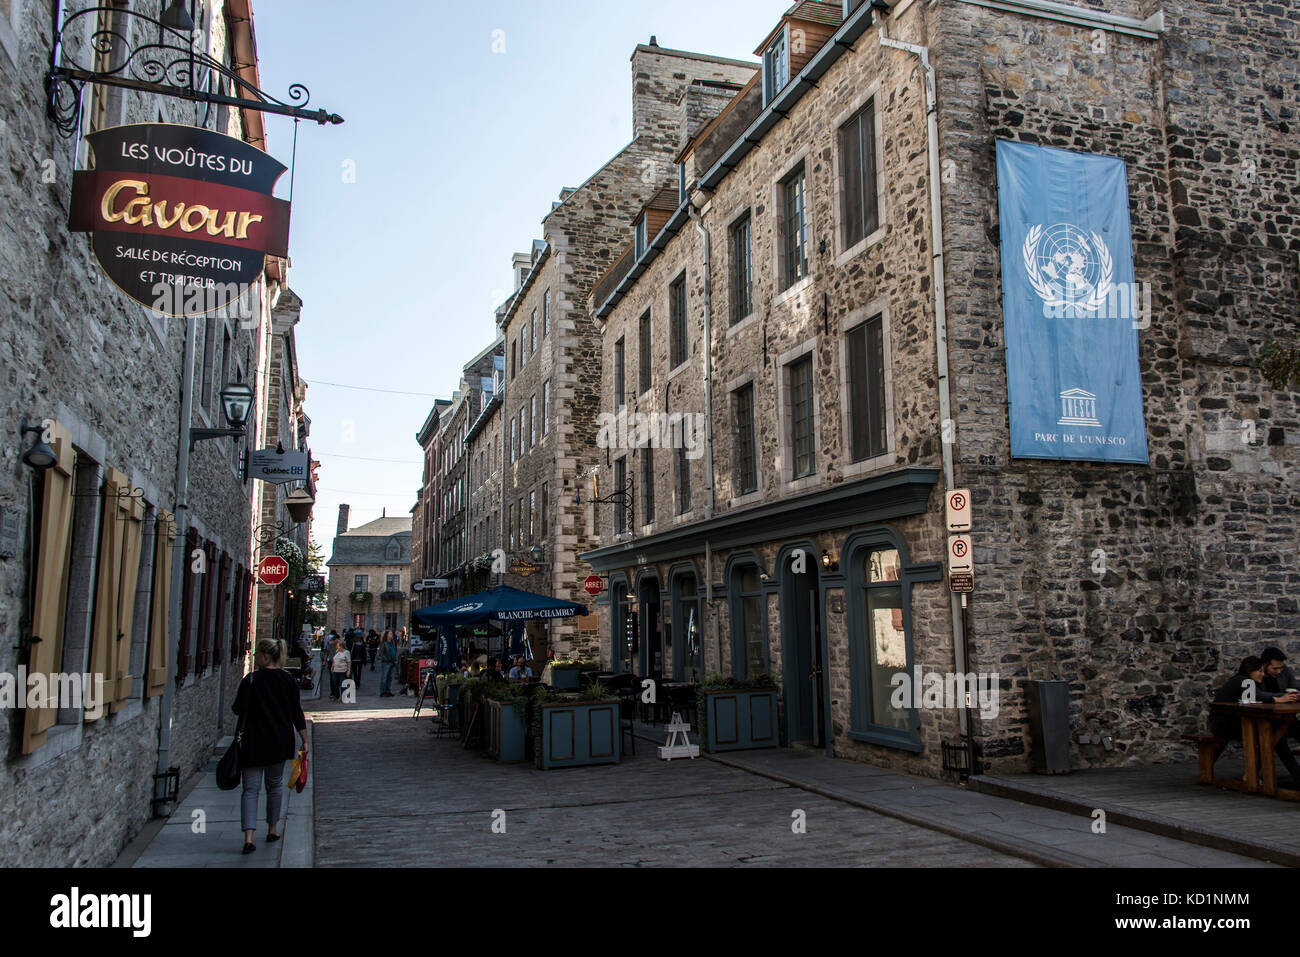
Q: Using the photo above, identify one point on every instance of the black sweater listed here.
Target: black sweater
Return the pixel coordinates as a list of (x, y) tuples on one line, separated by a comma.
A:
[(270, 698)]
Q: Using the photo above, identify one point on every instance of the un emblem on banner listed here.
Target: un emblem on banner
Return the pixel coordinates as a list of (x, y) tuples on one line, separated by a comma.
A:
[(1068, 267)]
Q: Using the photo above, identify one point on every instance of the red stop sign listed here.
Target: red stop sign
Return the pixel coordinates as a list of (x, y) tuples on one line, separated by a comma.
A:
[(272, 570), (593, 585)]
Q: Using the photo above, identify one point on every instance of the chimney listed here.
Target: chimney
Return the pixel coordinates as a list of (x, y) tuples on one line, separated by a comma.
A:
[(654, 41), (343, 519)]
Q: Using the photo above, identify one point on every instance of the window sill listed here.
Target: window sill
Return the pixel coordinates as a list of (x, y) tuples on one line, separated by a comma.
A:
[(684, 518), (800, 484), (875, 463), (784, 297), (861, 245), (59, 739), (678, 369), (749, 498), (898, 740), (736, 328)]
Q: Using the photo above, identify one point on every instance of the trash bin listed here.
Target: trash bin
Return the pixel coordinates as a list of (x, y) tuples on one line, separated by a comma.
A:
[(1049, 727)]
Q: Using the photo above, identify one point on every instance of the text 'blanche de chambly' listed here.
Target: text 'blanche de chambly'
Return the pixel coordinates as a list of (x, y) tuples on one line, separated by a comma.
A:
[(935, 690)]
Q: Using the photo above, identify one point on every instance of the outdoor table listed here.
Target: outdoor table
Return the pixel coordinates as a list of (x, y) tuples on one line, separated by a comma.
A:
[(1262, 727)]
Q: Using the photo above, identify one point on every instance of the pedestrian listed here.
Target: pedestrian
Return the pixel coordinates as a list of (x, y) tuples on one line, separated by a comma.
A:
[(341, 663), (387, 662), (372, 648), (270, 706), (358, 658)]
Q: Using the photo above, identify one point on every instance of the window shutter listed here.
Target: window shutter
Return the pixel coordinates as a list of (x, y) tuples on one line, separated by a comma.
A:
[(187, 605), (223, 603), (119, 575), (207, 582), (51, 580), (164, 541)]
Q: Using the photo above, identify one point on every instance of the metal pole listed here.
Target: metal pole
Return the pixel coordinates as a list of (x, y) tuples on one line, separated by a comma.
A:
[(181, 556)]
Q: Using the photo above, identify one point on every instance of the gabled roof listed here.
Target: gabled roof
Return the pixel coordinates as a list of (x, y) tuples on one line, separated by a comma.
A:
[(379, 528), (809, 11)]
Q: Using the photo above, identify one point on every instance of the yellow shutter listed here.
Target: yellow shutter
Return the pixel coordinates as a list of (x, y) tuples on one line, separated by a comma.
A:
[(103, 641), (130, 513), (156, 668), (51, 581)]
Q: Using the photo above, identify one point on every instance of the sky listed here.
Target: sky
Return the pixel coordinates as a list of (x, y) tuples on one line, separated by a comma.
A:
[(463, 122)]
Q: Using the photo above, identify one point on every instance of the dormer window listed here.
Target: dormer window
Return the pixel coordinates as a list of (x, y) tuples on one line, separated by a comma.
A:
[(640, 238), (681, 183), (776, 66)]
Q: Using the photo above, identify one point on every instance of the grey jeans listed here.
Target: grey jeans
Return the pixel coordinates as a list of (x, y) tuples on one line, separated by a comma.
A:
[(274, 775)]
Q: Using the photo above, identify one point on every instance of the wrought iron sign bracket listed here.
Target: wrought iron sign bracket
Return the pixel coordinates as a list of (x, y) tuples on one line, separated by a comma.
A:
[(165, 62), (626, 499)]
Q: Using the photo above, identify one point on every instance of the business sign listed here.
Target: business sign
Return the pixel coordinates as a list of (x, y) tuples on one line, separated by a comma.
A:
[(312, 585), (1069, 306), (523, 569), (272, 570), (277, 467), (182, 219)]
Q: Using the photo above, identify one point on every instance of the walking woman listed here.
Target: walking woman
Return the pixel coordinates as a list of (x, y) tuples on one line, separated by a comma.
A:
[(268, 702)]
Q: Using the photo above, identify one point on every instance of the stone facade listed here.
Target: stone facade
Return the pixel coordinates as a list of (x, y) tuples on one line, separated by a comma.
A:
[(583, 235), (377, 550), (109, 372), (1193, 543)]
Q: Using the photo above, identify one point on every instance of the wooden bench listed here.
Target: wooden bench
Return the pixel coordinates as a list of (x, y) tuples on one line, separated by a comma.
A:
[(1208, 748)]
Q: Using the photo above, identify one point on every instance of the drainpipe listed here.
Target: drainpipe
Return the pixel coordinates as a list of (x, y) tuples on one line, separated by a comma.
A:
[(708, 360), (179, 554), (940, 321)]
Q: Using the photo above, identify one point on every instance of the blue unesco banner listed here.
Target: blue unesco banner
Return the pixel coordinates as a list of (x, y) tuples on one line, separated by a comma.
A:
[(1070, 306)]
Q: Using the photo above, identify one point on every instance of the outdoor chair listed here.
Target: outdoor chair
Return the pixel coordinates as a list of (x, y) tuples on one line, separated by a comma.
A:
[(626, 714)]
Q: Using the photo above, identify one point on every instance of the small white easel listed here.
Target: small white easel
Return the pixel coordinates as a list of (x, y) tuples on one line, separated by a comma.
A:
[(679, 744)]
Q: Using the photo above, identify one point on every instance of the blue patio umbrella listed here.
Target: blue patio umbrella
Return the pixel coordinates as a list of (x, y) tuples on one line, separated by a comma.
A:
[(503, 604)]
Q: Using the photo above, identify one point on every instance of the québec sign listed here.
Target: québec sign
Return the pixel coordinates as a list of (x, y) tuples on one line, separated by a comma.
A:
[(181, 218)]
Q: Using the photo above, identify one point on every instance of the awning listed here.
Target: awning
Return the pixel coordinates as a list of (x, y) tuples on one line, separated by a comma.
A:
[(502, 604)]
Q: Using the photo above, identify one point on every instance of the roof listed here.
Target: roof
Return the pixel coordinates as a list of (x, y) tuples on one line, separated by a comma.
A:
[(385, 541), (379, 528), (809, 11), (665, 200)]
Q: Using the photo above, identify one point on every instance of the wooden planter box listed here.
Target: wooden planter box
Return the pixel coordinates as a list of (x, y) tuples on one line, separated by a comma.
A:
[(578, 733), (740, 720), (447, 699), (504, 731), (565, 679)]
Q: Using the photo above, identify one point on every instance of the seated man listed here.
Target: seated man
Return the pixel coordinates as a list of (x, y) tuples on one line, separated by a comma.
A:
[(1278, 681), (520, 671), (1228, 726)]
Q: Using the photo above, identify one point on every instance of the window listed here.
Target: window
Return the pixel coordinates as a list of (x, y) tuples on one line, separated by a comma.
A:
[(794, 228), (681, 183), (523, 430), (746, 460), (749, 640), (850, 6), (639, 242), (521, 523), (881, 644), (546, 407), (510, 527), (546, 314), (393, 583), (532, 331), (532, 516), (866, 374), (390, 621), (799, 383), (858, 164), (532, 421), (620, 482), (683, 472), (543, 515), (514, 361), (643, 365), (776, 67), (620, 383), (514, 441), (647, 486), (361, 583), (677, 321), (742, 269)]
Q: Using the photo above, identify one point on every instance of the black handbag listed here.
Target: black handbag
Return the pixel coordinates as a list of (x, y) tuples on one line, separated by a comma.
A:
[(229, 773)]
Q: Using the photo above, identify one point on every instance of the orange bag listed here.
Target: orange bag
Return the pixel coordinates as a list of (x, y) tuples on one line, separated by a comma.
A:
[(298, 772)]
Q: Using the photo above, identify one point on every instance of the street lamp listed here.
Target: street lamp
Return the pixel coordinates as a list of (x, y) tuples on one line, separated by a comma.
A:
[(236, 402), (177, 17), (537, 553), (40, 456)]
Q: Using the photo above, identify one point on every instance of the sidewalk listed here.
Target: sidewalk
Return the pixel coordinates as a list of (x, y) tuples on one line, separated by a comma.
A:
[(1042, 835), (173, 842)]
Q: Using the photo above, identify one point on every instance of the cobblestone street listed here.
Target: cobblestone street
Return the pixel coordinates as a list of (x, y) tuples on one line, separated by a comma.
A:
[(388, 793)]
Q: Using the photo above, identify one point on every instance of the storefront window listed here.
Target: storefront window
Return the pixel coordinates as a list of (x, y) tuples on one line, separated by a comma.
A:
[(688, 663), (749, 641)]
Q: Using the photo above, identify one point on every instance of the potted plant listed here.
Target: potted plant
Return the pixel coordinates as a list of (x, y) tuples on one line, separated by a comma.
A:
[(505, 710), (564, 674), (572, 730), (737, 714)]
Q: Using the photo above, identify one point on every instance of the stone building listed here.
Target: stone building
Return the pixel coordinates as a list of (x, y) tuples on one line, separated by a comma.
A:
[(793, 521), (370, 575), (427, 514), (89, 561), (285, 425), (552, 347)]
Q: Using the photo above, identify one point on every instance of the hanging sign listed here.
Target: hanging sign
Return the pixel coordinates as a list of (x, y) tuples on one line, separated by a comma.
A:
[(277, 467), (181, 219), (1070, 306)]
